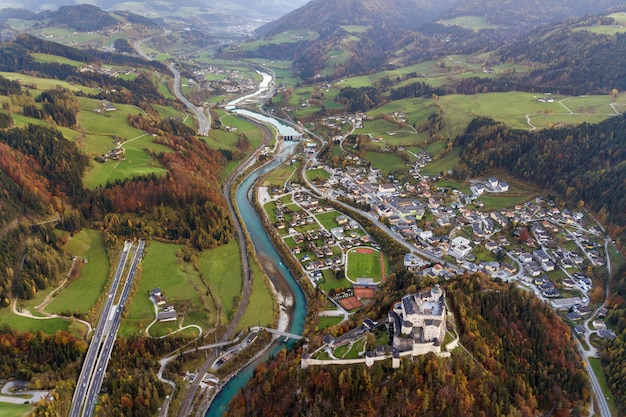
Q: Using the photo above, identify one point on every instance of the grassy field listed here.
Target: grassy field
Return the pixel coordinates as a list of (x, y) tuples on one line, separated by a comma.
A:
[(137, 162), (328, 220), (40, 84), (386, 162), (291, 36), (280, 175), (364, 265), (324, 322), (597, 369), (260, 310), (312, 174), (162, 268), (83, 292), (222, 269), (56, 59), (14, 410), (619, 27), (50, 326)]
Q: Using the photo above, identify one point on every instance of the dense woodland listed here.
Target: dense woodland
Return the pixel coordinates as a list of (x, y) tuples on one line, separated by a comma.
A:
[(613, 352), (525, 363)]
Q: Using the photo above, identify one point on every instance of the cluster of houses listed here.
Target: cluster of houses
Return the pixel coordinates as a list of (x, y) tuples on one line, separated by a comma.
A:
[(230, 80), (166, 312), (356, 120), (116, 154)]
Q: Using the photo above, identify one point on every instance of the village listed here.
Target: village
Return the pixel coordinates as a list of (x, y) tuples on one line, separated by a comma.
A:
[(540, 245)]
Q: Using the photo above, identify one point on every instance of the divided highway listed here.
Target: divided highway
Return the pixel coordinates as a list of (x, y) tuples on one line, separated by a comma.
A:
[(101, 346)]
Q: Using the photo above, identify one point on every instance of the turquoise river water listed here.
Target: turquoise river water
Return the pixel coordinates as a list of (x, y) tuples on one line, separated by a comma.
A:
[(265, 250)]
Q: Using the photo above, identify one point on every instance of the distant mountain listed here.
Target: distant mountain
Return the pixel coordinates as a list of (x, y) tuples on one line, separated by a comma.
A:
[(328, 15), (193, 11), (528, 13)]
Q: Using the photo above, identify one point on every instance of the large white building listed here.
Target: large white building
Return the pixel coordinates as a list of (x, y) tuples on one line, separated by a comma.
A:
[(419, 322)]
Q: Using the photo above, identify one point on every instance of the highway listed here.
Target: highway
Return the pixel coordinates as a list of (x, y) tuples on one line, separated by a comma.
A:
[(204, 123), (84, 380), (204, 119), (99, 351), (112, 326)]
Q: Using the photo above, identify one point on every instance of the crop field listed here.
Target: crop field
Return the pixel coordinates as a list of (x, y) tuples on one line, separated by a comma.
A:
[(162, 268), (83, 292), (260, 309), (362, 264), (222, 271)]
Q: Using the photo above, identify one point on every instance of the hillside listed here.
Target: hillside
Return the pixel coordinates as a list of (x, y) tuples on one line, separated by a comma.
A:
[(326, 16), (41, 183), (527, 14), (497, 380)]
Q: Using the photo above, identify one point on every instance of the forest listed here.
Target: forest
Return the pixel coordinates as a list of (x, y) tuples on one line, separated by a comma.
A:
[(525, 363), (613, 352), (583, 164)]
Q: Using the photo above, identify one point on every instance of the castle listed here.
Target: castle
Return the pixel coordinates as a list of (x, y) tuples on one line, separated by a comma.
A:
[(418, 322)]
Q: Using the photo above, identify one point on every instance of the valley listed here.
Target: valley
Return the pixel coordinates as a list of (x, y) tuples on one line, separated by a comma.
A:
[(443, 150)]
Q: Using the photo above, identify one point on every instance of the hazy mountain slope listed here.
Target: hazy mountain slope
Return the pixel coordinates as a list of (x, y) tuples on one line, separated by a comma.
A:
[(528, 13), (327, 15), (243, 9)]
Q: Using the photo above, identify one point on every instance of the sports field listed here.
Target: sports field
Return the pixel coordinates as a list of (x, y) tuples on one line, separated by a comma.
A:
[(365, 263)]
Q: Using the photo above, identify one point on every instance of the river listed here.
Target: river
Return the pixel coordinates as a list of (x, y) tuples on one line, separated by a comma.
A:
[(272, 261)]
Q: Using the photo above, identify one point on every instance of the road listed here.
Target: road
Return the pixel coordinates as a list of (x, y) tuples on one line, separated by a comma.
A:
[(204, 122), (204, 119), (93, 368), (112, 326)]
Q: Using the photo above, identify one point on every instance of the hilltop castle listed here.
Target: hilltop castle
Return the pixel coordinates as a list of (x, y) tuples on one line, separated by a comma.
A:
[(418, 322)]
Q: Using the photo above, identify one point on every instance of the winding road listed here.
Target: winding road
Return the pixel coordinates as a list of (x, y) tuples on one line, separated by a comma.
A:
[(204, 118)]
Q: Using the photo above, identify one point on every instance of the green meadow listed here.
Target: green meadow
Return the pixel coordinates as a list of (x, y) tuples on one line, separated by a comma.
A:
[(162, 268), (56, 59), (41, 84), (260, 308), (14, 410), (82, 292), (221, 268), (385, 162), (25, 324)]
